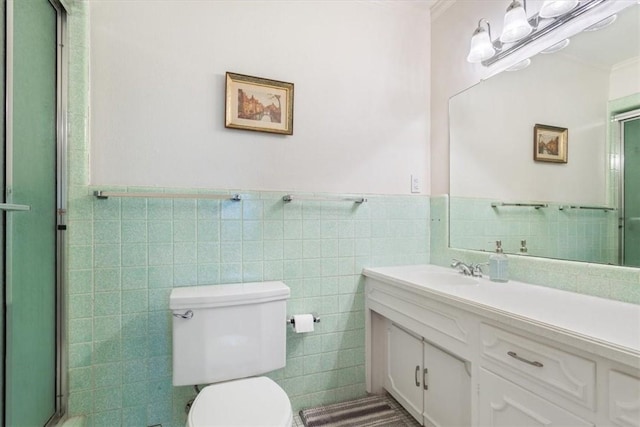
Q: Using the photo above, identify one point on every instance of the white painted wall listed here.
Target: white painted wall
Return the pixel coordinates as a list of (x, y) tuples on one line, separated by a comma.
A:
[(451, 73), (361, 75), (492, 136), (625, 79)]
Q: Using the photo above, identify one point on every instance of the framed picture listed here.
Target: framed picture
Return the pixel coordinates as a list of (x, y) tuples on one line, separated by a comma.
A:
[(258, 104), (550, 144)]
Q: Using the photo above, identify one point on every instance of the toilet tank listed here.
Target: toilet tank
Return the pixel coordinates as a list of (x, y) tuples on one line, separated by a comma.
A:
[(236, 331)]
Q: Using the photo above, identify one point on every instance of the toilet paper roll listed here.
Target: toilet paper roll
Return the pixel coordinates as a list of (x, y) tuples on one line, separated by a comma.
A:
[(303, 323)]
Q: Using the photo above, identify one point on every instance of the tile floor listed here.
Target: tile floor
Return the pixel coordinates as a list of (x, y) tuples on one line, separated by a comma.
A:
[(408, 421)]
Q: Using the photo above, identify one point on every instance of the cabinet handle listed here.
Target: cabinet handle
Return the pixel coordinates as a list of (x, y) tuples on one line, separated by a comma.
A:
[(416, 376), (522, 359), (424, 378)]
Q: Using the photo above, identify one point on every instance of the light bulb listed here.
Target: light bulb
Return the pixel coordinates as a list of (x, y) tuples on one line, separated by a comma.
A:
[(481, 47), (516, 25), (553, 8), (602, 24), (556, 47), (520, 65)]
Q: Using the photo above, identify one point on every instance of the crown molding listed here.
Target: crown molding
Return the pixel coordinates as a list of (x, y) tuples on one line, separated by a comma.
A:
[(438, 7)]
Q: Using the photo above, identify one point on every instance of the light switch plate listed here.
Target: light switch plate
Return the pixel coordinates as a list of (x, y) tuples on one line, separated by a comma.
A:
[(416, 184)]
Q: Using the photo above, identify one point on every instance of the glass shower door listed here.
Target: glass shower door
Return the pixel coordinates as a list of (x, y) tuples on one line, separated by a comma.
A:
[(631, 135), (30, 218)]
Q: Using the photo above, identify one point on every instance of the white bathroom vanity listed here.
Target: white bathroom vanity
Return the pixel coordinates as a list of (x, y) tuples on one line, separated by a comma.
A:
[(465, 351)]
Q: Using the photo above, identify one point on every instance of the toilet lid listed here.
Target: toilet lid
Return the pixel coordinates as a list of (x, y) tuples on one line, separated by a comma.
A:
[(246, 402)]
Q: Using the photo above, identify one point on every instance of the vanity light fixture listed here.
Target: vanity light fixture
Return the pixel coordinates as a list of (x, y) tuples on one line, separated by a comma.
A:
[(481, 46), (604, 23), (516, 26), (553, 8), (556, 47), (520, 65), (520, 30)]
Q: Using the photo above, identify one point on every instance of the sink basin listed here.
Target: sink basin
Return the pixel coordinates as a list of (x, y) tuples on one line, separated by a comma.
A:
[(447, 278), (452, 279)]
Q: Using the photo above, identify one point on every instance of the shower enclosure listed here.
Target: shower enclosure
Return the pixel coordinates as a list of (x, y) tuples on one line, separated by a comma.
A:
[(629, 133), (32, 211)]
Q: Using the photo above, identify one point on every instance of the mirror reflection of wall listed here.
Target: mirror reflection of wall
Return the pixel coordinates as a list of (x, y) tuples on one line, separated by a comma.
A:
[(492, 150)]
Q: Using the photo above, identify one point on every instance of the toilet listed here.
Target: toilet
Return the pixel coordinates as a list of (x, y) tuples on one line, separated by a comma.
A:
[(225, 336)]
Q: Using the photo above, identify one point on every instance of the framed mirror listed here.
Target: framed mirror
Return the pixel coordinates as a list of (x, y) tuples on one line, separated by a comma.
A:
[(543, 158)]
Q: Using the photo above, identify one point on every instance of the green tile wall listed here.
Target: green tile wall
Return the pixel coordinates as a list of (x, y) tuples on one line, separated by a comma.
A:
[(132, 251), (613, 282), (125, 255), (573, 234)]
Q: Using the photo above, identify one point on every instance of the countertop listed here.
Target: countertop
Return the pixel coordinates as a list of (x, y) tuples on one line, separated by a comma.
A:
[(606, 324)]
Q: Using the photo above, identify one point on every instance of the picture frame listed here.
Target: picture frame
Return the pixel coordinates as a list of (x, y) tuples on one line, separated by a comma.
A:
[(550, 143), (258, 104)]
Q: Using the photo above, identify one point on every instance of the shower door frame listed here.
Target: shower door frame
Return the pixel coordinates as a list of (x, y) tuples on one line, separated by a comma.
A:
[(620, 119), (62, 91), (62, 85)]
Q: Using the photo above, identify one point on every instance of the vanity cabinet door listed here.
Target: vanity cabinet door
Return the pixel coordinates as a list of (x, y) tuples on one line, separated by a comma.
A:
[(431, 384), (447, 384), (505, 404), (624, 399), (404, 370)]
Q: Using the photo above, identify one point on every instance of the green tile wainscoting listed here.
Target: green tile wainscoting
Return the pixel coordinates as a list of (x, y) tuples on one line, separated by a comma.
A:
[(613, 282), (125, 255), (589, 235), (128, 253)]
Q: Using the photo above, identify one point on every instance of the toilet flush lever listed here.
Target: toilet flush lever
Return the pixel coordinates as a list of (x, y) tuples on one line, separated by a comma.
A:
[(186, 315)]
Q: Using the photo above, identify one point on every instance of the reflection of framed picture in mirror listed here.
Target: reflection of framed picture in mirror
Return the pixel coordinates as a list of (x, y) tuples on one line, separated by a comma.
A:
[(550, 144)]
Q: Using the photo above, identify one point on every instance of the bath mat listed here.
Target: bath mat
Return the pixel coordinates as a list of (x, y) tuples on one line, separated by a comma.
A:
[(366, 412)]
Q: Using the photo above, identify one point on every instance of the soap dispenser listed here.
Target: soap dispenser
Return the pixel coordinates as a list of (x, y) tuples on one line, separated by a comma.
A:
[(498, 265)]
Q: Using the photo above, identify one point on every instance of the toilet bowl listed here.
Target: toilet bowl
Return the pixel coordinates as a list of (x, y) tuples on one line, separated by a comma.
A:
[(247, 402)]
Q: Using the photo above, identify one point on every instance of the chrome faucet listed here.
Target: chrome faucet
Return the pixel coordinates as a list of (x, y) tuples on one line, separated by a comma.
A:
[(464, 268), (474, 270)]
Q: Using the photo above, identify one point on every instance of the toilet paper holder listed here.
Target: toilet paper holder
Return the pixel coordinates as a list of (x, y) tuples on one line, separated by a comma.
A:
[(316, 319)]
